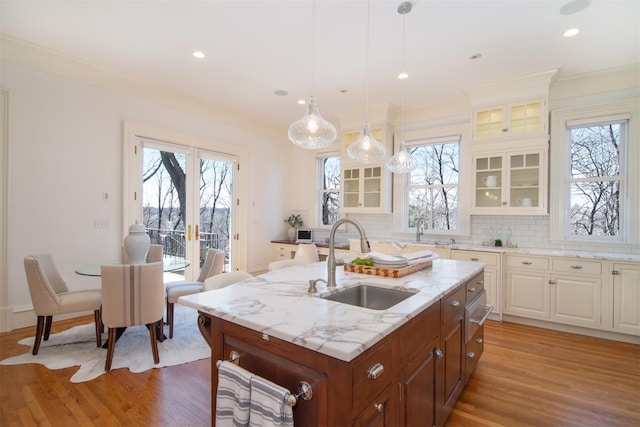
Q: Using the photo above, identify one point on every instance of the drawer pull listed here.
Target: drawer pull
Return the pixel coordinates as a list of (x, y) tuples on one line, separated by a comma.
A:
[(439, 353), (553, 282), (455, 304), (379, 407), (471, 290), (576, 267), (479, 340), (480, 282), (471, 355), (475, 259), (526, 262), (375, 371)]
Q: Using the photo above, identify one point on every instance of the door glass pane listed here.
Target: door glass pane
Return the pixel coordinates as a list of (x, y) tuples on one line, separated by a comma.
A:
[(216, 196), (164, 203)]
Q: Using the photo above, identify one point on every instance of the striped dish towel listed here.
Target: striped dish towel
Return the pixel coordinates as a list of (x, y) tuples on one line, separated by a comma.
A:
[(268, 404), (233, 399)]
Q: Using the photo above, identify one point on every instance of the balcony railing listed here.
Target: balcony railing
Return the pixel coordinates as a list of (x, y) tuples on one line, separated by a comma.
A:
[(173, 243)]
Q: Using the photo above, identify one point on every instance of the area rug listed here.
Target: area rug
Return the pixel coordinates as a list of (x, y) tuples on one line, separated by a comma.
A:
[(77, 347)]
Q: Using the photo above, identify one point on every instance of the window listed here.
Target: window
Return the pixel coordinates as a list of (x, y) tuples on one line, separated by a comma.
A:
[(433, 187), (328, 188), (597, 178), (594, 175)]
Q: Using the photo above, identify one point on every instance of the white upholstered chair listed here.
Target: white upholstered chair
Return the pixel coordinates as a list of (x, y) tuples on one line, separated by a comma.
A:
[(50, 296), (213, 265), (225, 279), (283, 263), (307, 253), (132, 294)]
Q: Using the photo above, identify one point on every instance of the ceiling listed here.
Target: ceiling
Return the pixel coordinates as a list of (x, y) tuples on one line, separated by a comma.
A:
[(254, 48)]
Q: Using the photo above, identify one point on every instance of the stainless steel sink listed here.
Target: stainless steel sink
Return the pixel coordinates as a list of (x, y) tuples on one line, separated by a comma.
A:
[(367, 296)]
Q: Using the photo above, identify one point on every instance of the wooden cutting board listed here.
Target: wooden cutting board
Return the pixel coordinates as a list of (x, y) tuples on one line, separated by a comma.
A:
[(393, 273)]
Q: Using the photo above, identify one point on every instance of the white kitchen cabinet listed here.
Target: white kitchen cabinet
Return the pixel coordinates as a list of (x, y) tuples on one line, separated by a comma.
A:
[(510, 183), (511, 120), (365, 189), (563, 290), (626, 298), (492, 273)]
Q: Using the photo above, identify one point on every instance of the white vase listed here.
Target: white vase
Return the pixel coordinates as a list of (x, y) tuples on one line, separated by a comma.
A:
[(291, 233), (137, 243)]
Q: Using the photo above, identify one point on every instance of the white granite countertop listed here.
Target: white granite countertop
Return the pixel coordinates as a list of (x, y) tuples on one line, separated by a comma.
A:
[(278, 304)]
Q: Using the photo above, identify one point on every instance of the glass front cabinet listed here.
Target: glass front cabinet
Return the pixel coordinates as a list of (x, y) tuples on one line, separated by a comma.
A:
[(365, 189), (518, 119), (513, 183)]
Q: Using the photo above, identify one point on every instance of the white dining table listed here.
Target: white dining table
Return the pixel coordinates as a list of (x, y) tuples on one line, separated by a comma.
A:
[(93, 269)]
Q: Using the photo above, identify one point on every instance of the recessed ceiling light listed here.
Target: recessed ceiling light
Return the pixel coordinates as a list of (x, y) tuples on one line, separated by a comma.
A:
[(301, 101), (281, 92), (575, 6), (403, 75), (571, 32), (198, 54)]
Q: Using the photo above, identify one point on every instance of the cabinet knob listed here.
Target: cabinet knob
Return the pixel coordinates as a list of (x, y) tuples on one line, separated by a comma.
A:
[(439, 353), (375, 371), (455, 304), (553, 282), (379, 407), (471, 290), (471, 355), (479, 340)]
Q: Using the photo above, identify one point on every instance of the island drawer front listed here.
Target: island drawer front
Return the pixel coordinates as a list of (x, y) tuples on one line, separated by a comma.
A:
[(453, 308), (365, 384), (475, 286), (420, 331), (486, 257), (577, 266), (474, 350), (524, 261)]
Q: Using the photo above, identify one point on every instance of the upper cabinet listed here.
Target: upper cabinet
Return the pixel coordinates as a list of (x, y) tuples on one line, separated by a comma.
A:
[(510, 146), (511, 120), (513, 183), (366, 187)]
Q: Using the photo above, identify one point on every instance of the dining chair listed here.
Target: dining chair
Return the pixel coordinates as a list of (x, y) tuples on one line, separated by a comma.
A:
[(132, 295), (213, 265), (307, 253), (283, 263), (225, 279), (154, 255), (50, 296)]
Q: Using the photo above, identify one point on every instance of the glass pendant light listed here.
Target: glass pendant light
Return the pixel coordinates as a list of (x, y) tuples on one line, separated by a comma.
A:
[(367, 149), (402, 161), (312, 131)]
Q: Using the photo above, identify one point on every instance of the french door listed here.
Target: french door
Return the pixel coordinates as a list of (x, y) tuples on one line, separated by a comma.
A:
[(186, 199)]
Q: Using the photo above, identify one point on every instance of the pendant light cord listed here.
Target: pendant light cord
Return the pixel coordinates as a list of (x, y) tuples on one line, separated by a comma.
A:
[(366, 70), (313, 45), (404, 20)]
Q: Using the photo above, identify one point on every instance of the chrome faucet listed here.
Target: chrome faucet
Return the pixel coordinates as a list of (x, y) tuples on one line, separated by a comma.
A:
[(331, 259), (419, 230)]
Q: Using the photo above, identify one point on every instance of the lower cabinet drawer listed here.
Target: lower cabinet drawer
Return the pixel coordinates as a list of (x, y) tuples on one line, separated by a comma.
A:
[(474, 350), (524, 262), (577, 266), (486, 257), (372, 374), (453, 308)]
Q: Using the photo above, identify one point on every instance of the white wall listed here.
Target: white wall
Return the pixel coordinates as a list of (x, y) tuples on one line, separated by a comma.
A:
[(65, 150)]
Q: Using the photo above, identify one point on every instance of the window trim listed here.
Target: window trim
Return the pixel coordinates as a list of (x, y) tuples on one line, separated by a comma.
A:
[(318, 182), (400, 181), (559, 204)]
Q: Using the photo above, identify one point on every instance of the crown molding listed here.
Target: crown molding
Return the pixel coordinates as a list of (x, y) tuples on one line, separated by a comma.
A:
[(37, 57)]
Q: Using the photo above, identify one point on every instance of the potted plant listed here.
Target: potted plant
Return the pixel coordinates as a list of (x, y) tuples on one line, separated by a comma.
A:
[(498, 242), (293, 221)]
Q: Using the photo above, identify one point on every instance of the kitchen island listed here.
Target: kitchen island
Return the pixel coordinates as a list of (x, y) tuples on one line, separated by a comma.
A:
[(403, 365)]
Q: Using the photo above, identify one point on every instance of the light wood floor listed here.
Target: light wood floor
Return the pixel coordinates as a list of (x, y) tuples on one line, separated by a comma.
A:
[(527, 377)]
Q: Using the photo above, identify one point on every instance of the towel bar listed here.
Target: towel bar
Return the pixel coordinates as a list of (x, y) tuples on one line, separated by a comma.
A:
[(304, 388), (234, 357)]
